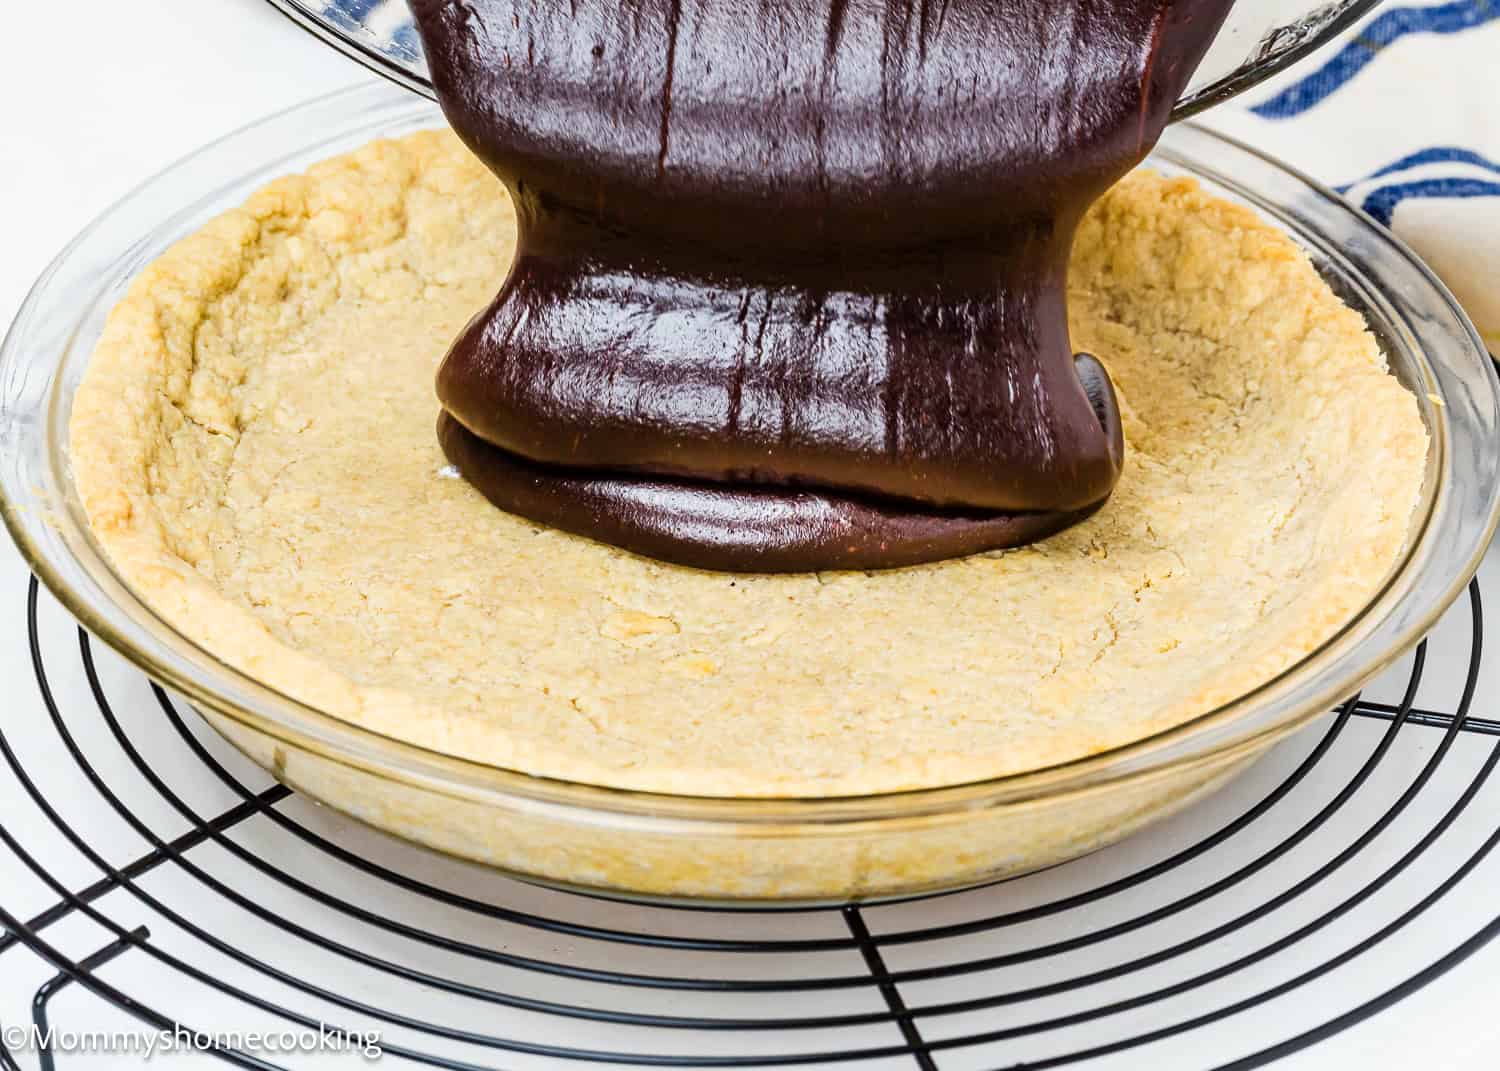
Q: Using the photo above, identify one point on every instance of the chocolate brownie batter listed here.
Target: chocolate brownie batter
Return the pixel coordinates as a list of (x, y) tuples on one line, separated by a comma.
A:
[(790, 283)]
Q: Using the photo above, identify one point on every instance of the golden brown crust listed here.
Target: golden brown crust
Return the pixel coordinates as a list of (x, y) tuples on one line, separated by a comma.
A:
[(254, 446)]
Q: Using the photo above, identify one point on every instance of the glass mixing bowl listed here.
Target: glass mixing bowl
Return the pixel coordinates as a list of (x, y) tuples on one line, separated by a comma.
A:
[(728, 849), (1259, 38)]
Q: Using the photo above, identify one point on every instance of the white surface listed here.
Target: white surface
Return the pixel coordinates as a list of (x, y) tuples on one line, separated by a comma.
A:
[(139, 84)]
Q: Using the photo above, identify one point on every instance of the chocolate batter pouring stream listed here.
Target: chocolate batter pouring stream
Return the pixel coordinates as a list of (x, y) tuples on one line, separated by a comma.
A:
[(790, 282)]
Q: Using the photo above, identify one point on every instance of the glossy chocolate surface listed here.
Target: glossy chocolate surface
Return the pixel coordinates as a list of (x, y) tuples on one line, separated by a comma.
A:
[(790, 281)]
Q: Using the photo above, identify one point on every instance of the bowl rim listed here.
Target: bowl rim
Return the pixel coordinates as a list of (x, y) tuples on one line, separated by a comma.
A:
[(1220, 731), (1277, 51)]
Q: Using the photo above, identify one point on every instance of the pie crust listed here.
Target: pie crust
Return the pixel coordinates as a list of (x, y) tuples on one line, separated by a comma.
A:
[(254, 445)]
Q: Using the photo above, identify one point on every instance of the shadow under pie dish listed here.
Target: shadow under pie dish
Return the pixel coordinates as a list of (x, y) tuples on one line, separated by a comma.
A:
[(253, 449)]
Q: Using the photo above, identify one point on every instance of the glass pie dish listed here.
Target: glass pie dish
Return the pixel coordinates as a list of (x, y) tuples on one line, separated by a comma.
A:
[(670, 846)]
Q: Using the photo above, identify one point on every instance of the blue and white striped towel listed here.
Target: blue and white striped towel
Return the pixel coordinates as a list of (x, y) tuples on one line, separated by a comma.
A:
[(1403, 115)]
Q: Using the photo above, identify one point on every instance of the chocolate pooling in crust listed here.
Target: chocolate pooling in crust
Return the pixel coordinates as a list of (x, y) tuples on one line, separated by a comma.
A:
[(790, 281)]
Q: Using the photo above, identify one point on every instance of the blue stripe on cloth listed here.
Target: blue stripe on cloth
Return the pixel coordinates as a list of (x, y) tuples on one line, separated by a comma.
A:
[(1378, 34), (1382, 203), (1437, 154)]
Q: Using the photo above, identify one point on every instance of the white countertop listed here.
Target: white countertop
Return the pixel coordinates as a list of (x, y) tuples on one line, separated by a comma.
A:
[(137, 85)]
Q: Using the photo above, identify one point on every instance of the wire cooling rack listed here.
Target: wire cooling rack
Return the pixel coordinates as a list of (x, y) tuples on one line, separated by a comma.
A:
[(151, 877)]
